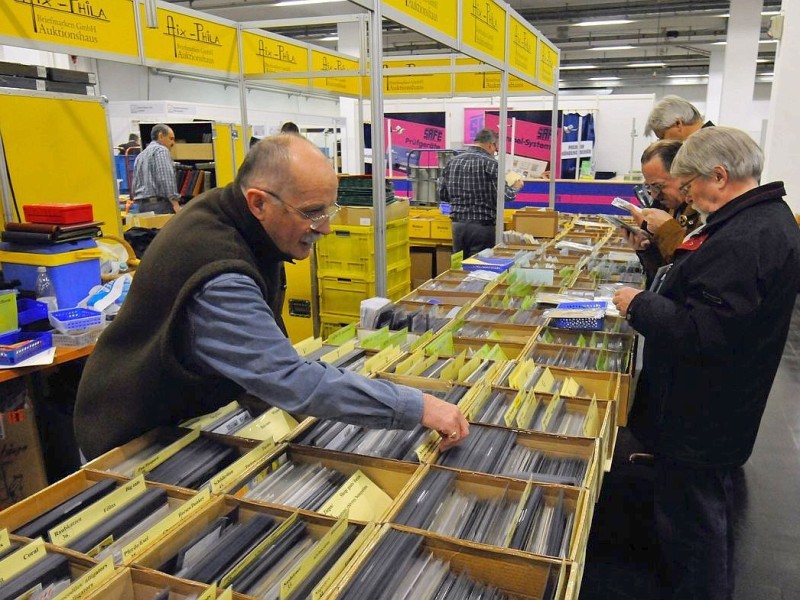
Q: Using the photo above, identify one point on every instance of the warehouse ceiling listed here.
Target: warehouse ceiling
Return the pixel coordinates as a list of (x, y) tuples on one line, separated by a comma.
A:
[(663, 42)]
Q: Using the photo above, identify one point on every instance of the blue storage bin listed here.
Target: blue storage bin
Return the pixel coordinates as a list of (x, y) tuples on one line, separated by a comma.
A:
[(580, 322), (16, 346), (30, 311), (73, 271)]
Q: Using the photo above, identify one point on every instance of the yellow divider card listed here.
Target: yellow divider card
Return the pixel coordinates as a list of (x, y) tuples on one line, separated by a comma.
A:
[(380, 360), (22, 559), (428, 447), (89, 581), (274, 424), (527, 411), (227, 594), (223, 481), (591, 426), (420, 367), (168, 452), (512, 411), (165, 526), (308, 345), (518, 512), (363, 500), (450, 371), (469, 368), (90, 516), (5, 541), (203, 420), (474, 400), (327, 581), (570, 387), (257, 551), (404, 366), (549, 411), (313, 557), (336, 354), (422, 340), (210, 593), (545, 383)]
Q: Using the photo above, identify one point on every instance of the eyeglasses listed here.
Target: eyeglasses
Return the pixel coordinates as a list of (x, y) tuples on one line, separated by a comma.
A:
[(316, 219), (654, 189), (686, 187)]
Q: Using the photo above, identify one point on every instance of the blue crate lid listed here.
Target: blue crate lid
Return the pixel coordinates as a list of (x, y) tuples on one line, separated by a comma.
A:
[(59, 248)]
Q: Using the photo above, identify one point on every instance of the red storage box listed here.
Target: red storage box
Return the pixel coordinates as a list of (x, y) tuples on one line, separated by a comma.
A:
[(58, 214)]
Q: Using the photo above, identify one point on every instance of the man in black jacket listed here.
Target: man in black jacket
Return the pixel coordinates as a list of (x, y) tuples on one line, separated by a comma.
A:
[(714, 326)]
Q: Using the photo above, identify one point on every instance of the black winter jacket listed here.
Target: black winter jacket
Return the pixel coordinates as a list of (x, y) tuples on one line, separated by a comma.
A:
[(715, 332)]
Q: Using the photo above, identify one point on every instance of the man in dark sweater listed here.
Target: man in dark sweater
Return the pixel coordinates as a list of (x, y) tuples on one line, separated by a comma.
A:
[(201, 323), (714, 324)]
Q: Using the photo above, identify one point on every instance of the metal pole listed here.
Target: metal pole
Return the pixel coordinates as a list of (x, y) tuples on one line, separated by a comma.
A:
[(553, 152), (378, 176), (242, 104), (5, 186)]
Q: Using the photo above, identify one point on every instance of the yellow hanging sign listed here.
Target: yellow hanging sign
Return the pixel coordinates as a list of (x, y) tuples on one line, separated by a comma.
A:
[(186, 39), (437, 14), (417, 85), (483, 27), (487, 81), (548, 61), (84, 27), (522, 47), (263, 54), (331, 63)]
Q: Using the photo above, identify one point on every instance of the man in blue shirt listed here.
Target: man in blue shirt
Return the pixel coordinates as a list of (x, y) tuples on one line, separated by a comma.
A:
[(201, 321), (469, 184), (154, 185)]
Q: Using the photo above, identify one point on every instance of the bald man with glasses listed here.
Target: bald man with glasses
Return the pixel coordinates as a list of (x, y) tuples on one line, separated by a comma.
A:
[(201, 324)]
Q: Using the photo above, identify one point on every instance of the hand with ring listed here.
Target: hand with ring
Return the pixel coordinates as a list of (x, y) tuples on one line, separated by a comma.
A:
[(445, 418)]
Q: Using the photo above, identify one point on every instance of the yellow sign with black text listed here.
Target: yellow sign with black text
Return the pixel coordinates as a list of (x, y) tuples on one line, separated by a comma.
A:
[(85, 27), (548, 61), (487, 81), (522, 48), (263, 54), (189, 40), (416, 85), (483, 27), (437, 14), (322, 61)]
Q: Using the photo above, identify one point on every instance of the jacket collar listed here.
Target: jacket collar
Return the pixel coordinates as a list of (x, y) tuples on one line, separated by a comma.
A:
[(757, 195)]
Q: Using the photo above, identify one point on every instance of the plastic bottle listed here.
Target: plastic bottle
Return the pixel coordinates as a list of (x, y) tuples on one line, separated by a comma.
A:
[(45, 290)]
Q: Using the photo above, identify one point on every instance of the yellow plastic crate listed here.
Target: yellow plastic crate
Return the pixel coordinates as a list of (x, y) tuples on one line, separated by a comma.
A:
[(343, 296), (349, 251), (441, 230), (420, 228)]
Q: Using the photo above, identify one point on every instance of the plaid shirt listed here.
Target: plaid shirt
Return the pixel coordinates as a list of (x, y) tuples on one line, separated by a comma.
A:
[(154, 174), (469, 184)]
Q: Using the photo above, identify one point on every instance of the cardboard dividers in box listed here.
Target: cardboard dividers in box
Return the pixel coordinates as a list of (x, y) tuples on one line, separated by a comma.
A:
[(251, 454), (557, 446), (540, 223), (510, 349), (452, 298), (141, 584), (242, 511), (487, 487), (86, 574), (501, 332), (371, 488), (524, 577)]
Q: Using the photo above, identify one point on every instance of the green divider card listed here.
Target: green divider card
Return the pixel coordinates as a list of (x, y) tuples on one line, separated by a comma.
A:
[(547, 336), (591, 426), (346, 333), (527, 410), (377, 340), (456, 260), (602, 360), (581, 343), (495, 335), (442, 345), (548, 413), (397, 338), (496, 354), (593, 340), (506, 300), (528, 302), (512, 276), (422, 340)]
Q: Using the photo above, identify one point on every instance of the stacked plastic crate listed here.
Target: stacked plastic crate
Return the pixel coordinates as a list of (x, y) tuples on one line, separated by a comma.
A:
[(346, 258)]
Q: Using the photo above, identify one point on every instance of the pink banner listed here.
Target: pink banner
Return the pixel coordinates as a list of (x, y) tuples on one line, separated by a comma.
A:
[(412, 144)]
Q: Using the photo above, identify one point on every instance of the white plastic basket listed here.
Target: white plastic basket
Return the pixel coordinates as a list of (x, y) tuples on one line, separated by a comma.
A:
[(77, 339)]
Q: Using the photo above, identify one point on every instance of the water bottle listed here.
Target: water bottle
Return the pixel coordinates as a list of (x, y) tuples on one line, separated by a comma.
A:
[(45, 290)]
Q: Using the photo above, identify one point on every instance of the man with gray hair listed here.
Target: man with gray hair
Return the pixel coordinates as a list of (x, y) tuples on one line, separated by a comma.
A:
[(201, 323), (154, 186), (469, 184), (674, 118), (715, 323)]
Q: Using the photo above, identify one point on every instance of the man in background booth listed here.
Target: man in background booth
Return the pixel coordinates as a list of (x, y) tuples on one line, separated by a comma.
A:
[(154, 185), (674, 118)]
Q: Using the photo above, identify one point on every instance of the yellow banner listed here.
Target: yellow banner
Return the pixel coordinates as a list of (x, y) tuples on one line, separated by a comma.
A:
[(437, 14), (488, 81), (483, 27), (522, 48), (96, 25), (263, 54), (189, 40), (322, 61), (415, 85), (548, 61)]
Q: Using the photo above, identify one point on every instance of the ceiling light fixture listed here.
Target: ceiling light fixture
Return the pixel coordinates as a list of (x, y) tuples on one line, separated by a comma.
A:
[(687, 75), (601, 23), (642, 65), (329, 38), (604, 48), (576, 67), (603, 78), (764, 13)]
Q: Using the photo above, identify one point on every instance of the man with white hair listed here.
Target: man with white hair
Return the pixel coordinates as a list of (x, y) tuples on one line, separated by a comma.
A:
[(674, 118), (715, 324)]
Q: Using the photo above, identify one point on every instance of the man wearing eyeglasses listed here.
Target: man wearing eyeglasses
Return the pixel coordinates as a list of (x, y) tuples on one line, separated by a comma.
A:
[(201, 323), (669, 226), (715, 325)]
